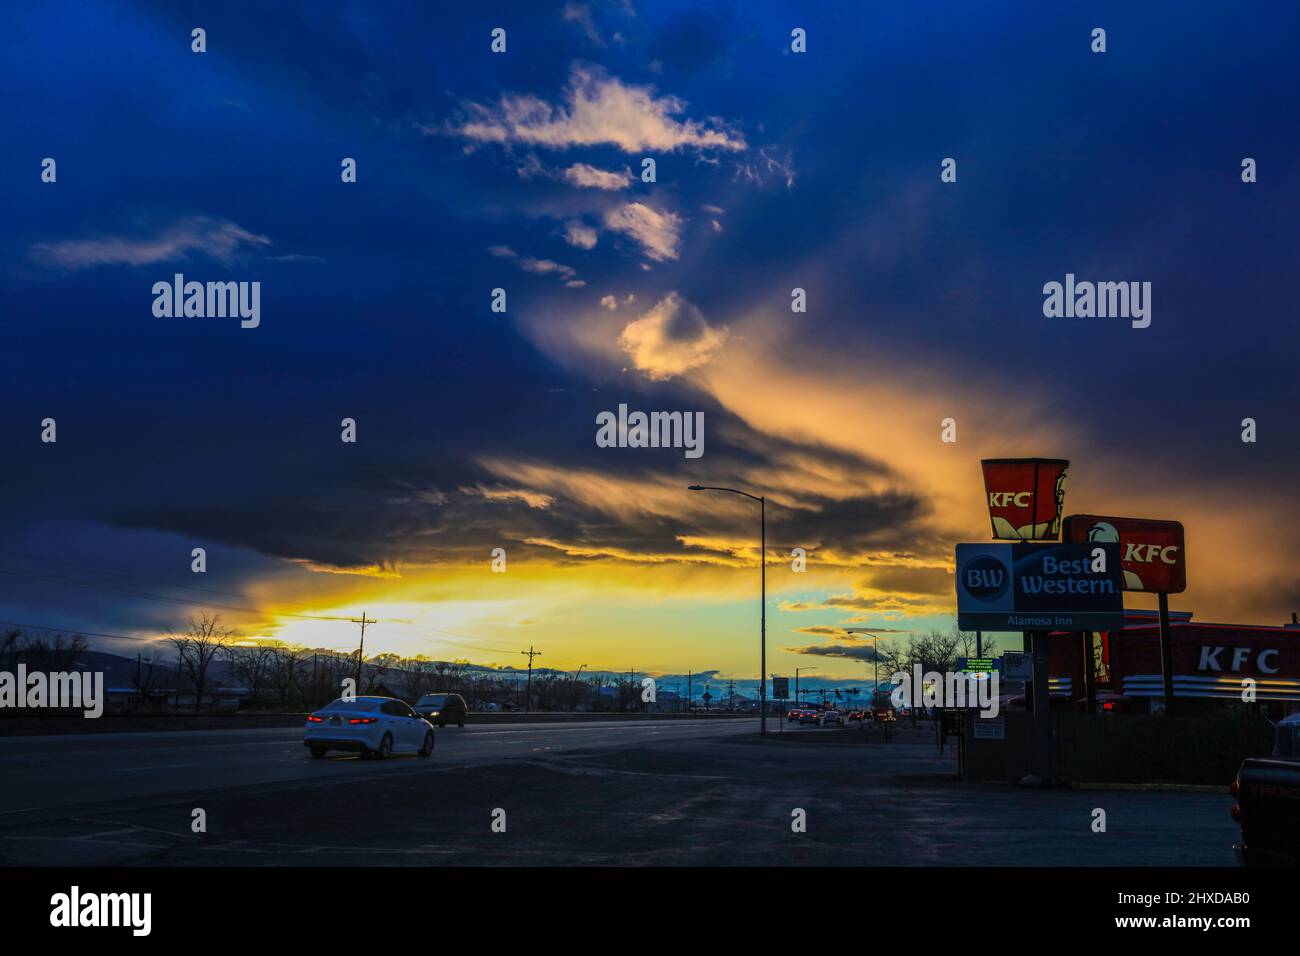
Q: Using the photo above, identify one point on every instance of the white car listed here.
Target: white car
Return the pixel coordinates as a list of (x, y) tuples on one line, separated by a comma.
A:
[(371, 726)]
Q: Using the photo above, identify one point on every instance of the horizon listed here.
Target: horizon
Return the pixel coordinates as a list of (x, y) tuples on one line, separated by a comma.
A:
[(477, 430)]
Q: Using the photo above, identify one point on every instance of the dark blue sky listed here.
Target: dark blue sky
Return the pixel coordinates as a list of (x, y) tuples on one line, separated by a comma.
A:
[(775, 170)]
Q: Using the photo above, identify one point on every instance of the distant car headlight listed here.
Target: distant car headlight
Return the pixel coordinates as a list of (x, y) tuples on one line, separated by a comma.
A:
[(434, 713)]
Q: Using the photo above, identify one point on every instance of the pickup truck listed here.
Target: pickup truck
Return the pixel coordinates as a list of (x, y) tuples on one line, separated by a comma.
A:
[(1267, 791)]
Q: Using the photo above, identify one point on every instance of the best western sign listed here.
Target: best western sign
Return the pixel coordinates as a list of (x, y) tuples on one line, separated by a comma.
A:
[(1039, 587), (1025, 496), (1152, 552)]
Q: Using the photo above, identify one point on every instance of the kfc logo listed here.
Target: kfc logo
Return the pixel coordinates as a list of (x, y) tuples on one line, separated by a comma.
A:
[(1146, 553), (1265, 661), (1008, 499)]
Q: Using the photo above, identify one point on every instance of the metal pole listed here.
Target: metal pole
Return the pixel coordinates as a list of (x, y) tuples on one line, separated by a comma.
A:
[(1089, 672), (1042, 709), (762, 559), (1166, 654)]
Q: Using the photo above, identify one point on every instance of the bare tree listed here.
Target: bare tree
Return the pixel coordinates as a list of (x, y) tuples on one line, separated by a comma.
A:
[(198, 647), (58, 653), (286, 670), (252, 665), (149, 665), (934, 651), (968, 647), (10, 642)]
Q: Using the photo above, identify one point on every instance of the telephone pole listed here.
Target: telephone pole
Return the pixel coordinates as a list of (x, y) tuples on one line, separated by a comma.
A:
[(528, 693), (361, 649)]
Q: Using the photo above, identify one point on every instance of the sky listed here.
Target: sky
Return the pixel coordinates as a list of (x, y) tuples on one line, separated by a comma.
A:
[(522, 171)]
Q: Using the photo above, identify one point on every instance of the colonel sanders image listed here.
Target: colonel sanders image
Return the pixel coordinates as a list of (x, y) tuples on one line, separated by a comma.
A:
[(1104, 533), (1043, 530)]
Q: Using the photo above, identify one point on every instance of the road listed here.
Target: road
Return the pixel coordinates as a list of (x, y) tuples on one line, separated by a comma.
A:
[(691, 792), (43, 773)]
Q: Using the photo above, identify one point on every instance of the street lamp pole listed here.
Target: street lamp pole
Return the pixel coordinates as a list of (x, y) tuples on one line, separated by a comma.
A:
[(875, 653), (762, 564)]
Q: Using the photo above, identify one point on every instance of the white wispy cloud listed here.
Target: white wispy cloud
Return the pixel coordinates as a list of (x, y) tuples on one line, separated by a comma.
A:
[(592, 177), (580, 234), (659, 233), (595, 109), (539, 267), (215, 238)]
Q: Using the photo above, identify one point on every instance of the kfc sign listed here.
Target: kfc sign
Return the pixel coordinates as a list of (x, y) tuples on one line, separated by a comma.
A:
[(1025, 496), (1152, 553)]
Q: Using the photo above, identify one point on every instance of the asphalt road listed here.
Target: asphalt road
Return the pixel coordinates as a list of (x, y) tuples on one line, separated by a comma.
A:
[(694, 792), (42, 773)]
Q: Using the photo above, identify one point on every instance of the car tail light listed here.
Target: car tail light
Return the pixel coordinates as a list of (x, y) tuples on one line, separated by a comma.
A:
[(313, 719), (1236, 812), (1235, 790), (363, 720)]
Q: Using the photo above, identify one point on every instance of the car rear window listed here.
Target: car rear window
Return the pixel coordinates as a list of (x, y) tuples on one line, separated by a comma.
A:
[(433, 699), (350, 705)]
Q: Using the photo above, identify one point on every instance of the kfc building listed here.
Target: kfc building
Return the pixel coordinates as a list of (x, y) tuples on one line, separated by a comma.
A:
[(1210, 663)]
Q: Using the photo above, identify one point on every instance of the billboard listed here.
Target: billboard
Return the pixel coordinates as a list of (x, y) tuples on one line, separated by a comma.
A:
[(1025, 496), (1152, 553), (1039, 587)]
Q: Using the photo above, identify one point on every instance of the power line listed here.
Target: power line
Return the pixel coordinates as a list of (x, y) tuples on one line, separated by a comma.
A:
[(76, 631)]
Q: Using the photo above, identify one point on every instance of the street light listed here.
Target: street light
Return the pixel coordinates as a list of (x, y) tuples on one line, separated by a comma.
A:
[(762, 565), (797, 670), (875, 654)]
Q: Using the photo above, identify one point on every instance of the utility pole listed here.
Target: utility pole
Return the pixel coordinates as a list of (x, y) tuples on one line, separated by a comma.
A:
[(361, 649), (528, 694), (688, 692)]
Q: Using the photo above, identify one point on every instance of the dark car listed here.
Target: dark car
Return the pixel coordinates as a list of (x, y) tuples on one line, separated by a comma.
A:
[(442, 709)]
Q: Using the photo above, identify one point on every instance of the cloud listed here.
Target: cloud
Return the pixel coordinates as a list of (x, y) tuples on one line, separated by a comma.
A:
[(580, 14), (582, 175), (215, 238), (534, 499), (609, 302), (595, 110), (865, 652), (542, 267), (765, 166), (539, 267), (580, 234), (590, 177), (659, 233), (671, 338)]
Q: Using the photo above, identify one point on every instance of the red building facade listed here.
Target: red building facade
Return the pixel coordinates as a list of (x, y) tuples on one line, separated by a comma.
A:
[(1211, 664)]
